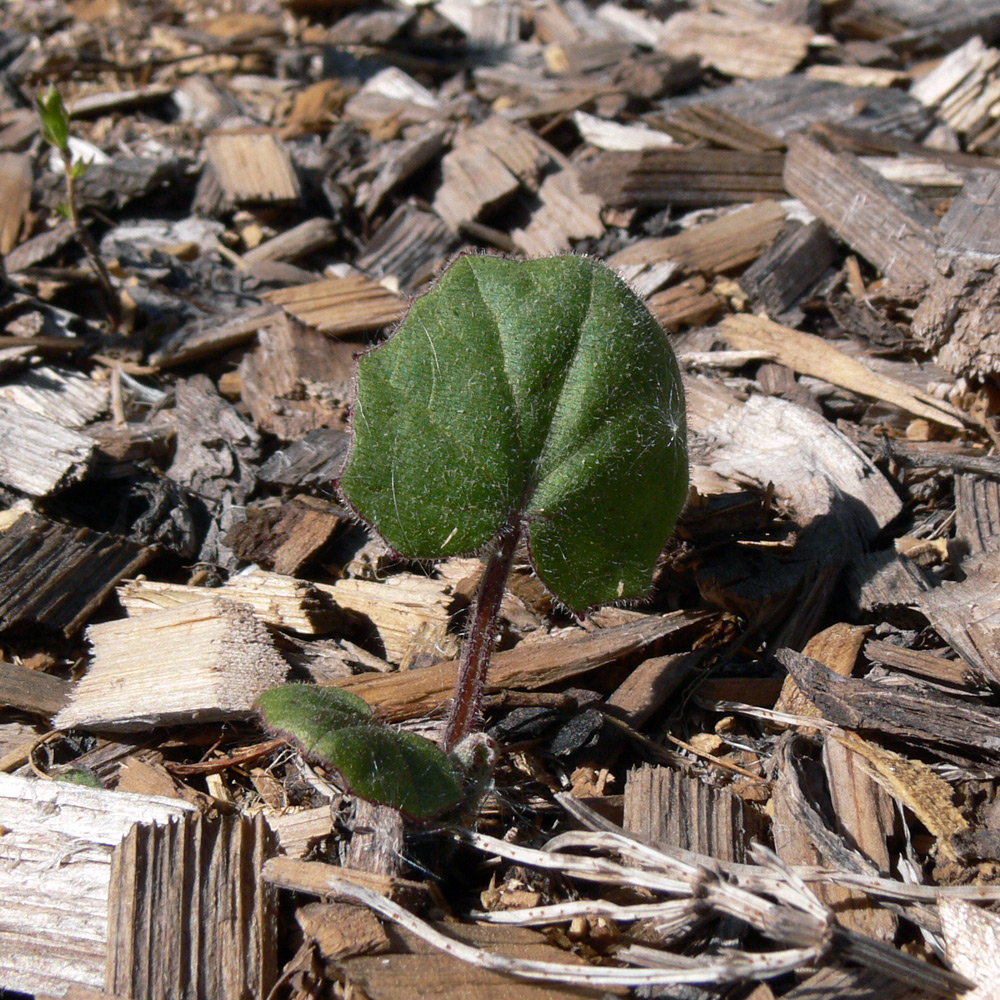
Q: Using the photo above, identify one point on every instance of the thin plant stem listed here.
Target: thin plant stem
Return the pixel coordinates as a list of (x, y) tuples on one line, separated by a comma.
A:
[(85, 239), (478, 645)]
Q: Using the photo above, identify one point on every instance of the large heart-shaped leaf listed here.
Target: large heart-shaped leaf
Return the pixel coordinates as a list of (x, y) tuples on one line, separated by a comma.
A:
[(336, 728), (541, 394)]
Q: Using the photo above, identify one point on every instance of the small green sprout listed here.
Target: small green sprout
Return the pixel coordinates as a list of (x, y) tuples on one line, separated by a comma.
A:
[(55, 120), (533, 399)]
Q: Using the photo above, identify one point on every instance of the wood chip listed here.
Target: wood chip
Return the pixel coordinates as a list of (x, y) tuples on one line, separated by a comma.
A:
[(879, 220), (212, 659), (278, 600), (15, 198), (658, 177), (737, 46), (253, 168), (53, 576), (538, 664), (56, 878), (32, 690), (338, 306), (296, 380), (812, 355), (185, 884), (39, 456), (664, 806)]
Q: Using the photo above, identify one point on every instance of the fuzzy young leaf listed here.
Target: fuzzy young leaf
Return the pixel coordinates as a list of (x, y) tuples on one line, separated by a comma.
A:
[(55, 119), (540, 393), (336, 729), (395, 768)]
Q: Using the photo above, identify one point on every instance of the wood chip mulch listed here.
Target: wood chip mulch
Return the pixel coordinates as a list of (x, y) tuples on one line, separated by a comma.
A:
[(778, 777)]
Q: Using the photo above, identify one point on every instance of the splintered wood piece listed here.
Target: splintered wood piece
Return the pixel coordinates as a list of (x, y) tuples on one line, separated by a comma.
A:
[(932, 665), (55, 878), (54, 576), (285, 538), (965, 614), (913, 783), (15, 198), (340, 930), (416, 968), (204, 338), (877, 218), (720, 127), (802, 837), (972, 223), (189, 913), (217, 451), (565, 214), (927, 717), (338, 306), (66, 397), (299, 241), (665, 806), (722, 245), (690, 303), (538, 664), (785, 273), (397, 608), (884, 579), (314, 461), (649, 685), (408, 246), (32, 690), (657, 177), (977, 513), (487, 164), (475, 179), (957, 315), (300, 830), (38, 455), (837, 647), (314, 878), (296, 380), (972, 939), (737, 46), (198, 662), (839, 497), (253, 168), (278, 600), (865, 814), (812, 355), (394, 162), (772, 440)]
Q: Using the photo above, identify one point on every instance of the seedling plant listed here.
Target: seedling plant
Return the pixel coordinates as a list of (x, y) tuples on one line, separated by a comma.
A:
[(534, 401), (55, 121)]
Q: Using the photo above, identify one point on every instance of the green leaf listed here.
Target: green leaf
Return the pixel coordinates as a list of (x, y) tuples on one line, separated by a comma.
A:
[(308, 712), (55, 119), (336, 729), (541, 392), (395, 768)]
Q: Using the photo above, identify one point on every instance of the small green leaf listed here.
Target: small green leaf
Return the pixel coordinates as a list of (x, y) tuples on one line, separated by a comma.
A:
[(63, 209), (541, 392), (336, 729), (55, 119), (79, 168), (395, 768), (309, 711)]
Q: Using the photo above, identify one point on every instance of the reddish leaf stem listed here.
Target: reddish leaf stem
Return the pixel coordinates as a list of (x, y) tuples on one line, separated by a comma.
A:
[(478, 645)]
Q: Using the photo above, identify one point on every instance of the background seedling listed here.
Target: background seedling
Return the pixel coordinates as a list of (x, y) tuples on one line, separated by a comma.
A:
[(56, 130), (522, 399)]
